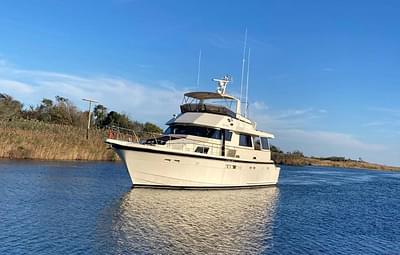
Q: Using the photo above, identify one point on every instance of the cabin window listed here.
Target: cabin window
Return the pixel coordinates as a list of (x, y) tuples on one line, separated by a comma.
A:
[(201, 149), (245, 140), (228, 135), (265, 143), (193, 130), (257, 143)]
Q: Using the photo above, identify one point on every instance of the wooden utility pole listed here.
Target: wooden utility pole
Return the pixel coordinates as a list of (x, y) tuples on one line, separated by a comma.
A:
[(90, 106)]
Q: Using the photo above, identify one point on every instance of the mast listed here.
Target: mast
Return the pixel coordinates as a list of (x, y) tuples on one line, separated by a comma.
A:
[(198, 70), (247, 85), (243, 62)]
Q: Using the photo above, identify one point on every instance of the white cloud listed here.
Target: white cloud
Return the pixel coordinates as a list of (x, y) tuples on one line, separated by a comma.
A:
[(294, 130), (385, 120), (283, 119), (293, 113), (260, 106), (323, 143), (16, 86), (375, 124), (142, 102), (330, 141), (3, 62), (392, 111)]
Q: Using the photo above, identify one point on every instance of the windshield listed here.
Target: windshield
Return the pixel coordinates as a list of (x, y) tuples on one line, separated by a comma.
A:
[(193, 130), (224, 102), (198, 131), (265, 143)]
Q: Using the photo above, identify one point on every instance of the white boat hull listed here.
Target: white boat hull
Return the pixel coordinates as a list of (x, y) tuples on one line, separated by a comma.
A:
[(155, 167)]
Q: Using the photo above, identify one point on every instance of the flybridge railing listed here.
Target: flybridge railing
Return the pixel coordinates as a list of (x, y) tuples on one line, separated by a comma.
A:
[(170, 141), (142, 137), (130, 135)]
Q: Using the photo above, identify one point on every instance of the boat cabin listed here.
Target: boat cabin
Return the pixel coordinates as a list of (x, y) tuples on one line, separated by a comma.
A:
[(211, 123), (218, 141)]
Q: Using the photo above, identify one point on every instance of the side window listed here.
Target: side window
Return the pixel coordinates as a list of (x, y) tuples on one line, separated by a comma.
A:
[(257, 143), (212, 133), (228, 135), (265, 143), (245, 140)]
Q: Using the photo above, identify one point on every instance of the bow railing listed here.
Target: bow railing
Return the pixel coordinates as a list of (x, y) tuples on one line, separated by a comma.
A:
[(171, 141)]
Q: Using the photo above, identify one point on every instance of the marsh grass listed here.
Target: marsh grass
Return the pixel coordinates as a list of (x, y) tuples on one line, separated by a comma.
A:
[(29, 139)]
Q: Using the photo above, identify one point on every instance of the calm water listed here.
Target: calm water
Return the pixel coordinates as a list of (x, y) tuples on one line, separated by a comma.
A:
[(89, 208)]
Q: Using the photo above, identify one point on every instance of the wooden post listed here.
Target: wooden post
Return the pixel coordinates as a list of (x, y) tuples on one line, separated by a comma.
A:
[(90, 106)]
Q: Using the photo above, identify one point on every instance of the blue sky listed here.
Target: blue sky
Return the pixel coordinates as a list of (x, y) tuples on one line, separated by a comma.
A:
[(324, 74)]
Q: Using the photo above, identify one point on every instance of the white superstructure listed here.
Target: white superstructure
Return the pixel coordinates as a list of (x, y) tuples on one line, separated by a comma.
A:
[(208, 145)]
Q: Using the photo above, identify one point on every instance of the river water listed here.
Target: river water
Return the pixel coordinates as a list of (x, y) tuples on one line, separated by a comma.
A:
[(90, 208)]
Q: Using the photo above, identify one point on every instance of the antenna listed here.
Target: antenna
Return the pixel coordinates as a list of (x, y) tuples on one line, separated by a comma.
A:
[(247, 85), (198, 70), (243, 61), (222, 84)]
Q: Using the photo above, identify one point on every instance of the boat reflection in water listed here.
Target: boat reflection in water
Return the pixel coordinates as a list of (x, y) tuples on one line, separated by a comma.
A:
[(170, 221)]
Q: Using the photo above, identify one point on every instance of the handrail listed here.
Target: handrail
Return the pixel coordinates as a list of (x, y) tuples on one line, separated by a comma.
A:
[(116, 132), (171, 141)]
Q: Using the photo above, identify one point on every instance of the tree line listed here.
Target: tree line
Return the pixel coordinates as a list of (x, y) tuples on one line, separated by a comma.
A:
[(62, 111), (298, 158)]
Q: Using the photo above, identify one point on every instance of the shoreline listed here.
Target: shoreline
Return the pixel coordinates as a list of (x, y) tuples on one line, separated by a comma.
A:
[(386, 168), (291, 159), (63, 160)]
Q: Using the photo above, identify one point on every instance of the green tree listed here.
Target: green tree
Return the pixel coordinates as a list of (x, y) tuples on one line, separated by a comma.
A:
[(100, 115), (9, 107), (116, 119), (44, 110), (61, 111), (151, 128), (65, 112), (275, 149), (297, 153)]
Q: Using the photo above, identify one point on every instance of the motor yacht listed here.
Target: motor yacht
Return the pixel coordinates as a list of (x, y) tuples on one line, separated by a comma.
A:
[(210, 144)]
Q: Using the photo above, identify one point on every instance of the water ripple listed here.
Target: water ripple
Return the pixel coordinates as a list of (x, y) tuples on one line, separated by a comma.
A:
[(89, 208)]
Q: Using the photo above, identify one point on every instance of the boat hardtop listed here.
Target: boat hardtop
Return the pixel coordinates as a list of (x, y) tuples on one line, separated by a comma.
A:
[(201, 95)]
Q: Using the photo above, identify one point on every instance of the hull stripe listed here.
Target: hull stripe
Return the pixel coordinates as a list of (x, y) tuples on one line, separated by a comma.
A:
[(251, 186)]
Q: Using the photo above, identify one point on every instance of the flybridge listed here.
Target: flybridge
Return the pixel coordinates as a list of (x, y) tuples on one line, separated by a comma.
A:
[(212, 102)]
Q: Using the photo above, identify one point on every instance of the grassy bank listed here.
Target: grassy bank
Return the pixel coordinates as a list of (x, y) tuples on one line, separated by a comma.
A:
[(296, 159), (28, 139)]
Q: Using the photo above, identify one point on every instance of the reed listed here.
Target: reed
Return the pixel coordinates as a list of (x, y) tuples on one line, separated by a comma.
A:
[(30, 139)]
